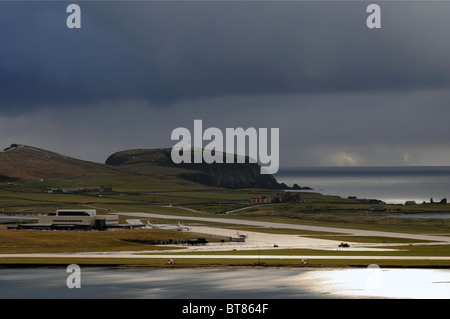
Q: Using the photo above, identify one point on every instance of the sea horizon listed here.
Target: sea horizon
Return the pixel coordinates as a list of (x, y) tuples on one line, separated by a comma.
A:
[(391, 184)]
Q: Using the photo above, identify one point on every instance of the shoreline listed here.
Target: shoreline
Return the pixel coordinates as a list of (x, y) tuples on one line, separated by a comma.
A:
[(228, 267)]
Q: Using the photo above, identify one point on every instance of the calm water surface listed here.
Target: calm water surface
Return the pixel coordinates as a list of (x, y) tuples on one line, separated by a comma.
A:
[(268, 283)]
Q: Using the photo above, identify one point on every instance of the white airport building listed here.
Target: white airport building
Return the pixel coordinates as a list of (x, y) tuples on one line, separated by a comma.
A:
[(71, 219)]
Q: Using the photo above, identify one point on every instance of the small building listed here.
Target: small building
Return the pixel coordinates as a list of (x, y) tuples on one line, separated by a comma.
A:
[(280, 197), (410, 202), (260, 200)]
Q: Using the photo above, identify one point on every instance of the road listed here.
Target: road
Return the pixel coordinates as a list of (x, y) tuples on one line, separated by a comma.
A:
[(139, 255)]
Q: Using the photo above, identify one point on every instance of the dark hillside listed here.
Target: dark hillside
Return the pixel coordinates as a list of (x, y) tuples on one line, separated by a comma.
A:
[(227, 175)]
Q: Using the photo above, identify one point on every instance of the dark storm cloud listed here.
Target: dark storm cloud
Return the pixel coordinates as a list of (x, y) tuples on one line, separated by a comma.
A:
[(201, 49), (326, 129), (166, 52), (43, 63), (340, 93)]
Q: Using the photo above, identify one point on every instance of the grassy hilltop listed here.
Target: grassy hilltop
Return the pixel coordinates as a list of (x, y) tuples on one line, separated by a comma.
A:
[(31, 177)]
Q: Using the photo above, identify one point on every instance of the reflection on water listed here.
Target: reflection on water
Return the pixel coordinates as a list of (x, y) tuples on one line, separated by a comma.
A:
[(392, 283), (268, 283)]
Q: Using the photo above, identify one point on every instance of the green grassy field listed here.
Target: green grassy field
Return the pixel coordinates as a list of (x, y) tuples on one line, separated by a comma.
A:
[(25, 241)]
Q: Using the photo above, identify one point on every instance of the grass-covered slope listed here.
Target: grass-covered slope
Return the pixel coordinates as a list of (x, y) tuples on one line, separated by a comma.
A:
[(30, 163)]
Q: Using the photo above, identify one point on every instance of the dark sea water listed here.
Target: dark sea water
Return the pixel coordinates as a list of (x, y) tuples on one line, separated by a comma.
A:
[(390, 184)]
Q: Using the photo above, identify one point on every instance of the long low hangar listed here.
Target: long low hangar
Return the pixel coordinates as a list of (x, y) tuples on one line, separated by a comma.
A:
[(71, 219)]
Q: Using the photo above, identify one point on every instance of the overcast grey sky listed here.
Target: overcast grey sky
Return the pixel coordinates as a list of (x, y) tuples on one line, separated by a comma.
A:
[(340, 93)]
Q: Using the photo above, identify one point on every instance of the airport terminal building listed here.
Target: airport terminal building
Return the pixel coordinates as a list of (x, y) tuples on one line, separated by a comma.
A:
[(74, 219)]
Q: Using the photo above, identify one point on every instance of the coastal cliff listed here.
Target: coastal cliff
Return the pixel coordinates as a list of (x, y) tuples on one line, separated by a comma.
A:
[(227, 175)]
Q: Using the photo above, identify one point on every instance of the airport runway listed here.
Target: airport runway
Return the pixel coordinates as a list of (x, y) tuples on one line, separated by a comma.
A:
[(259, 241), (356, 232)]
